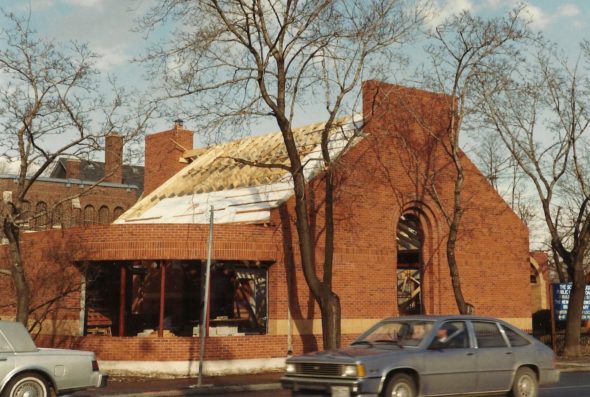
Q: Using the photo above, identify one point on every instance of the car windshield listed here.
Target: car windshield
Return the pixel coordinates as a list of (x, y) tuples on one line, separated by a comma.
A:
[(400, 333)]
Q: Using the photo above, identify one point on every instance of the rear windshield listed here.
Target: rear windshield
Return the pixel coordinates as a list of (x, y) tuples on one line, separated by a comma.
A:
[(17, 336)]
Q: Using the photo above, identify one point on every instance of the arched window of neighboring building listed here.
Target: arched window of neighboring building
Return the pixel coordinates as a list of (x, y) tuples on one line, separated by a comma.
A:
[(25, 215), (117, 212), (89, 215), (57, 216), (409, 264), (41, 215), (103, 215), (76, 218)]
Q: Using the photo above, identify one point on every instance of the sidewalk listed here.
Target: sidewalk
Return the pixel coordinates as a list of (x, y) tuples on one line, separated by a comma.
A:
[(149, 387), (578, 365)]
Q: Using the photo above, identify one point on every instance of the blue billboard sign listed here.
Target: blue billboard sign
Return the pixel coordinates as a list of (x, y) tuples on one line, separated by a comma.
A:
[(561, 297)]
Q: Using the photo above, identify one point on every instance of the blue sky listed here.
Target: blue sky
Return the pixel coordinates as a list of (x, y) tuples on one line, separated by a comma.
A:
[(106, 25)]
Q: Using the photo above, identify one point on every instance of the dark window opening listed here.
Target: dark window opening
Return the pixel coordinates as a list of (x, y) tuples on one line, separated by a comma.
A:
[(534, 275), (163, 298), (409, 270)]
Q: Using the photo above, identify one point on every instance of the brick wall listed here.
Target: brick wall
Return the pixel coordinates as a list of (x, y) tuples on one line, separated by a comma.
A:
[(113, 158), (87, 205), (384, 176), (163, 151)]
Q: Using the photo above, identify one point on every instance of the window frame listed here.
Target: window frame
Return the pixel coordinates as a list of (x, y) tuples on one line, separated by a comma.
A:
[(498, 328)]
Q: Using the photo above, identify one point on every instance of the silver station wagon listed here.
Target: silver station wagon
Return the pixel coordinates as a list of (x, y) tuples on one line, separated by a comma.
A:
[(427, 356), (28, 371)]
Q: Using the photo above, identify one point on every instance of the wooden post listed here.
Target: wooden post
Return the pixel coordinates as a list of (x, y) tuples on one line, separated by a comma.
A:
[(552, 315), (122, 300), (162, 298)]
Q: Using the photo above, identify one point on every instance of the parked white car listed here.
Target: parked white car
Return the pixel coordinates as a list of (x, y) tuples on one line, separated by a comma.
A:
[(29, 371)]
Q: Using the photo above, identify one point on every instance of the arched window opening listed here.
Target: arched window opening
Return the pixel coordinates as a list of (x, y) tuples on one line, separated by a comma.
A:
[(76, 216), (25, 215), (409, 264), (57, 216), (41, 215), (117, 212), (89, 215), (103, 215)]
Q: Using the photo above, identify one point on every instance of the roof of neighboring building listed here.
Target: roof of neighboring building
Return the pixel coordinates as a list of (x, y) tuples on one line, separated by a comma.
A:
[(94, 171), (225, 176)]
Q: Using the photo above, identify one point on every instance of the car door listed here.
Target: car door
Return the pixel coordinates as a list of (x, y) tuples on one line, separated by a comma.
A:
[(449, 362), (494, 358)]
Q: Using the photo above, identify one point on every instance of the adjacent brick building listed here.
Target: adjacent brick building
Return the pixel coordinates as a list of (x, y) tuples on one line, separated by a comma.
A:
[(80, 192), (389, 255)]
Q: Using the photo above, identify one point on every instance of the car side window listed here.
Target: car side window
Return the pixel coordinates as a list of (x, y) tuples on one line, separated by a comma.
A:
[(451, 335), (4, 345), (514, 338), (488, 334)]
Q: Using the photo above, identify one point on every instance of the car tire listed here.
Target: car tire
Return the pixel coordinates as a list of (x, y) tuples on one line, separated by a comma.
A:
[(525, 383), (27, 384), (400, 385)]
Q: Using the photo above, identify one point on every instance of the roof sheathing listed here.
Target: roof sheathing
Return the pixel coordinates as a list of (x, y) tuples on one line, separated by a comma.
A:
[(238, 192)]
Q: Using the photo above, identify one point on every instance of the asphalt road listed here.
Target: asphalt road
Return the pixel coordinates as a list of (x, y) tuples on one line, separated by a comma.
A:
[(572, 384)]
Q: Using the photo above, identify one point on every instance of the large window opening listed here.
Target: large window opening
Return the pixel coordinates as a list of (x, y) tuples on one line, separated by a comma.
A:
[(164, 298), (409, 265)]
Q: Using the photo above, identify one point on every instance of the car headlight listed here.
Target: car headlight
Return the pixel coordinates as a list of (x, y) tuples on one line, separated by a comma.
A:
[(357, 370), (291, 369)]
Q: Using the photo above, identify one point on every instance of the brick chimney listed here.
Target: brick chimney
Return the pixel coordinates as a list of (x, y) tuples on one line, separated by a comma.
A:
[(72, 168), (163, 155), (113, 158)]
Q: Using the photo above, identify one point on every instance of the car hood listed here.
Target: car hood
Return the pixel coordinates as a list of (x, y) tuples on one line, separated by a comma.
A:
[(344, 354)]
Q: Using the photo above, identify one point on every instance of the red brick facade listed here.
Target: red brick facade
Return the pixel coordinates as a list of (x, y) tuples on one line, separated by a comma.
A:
[(88, 204), (383, 177), (163, 152)]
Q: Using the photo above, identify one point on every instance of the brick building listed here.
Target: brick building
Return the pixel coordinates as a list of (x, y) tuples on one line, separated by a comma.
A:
[(81, 192), (140, 303)]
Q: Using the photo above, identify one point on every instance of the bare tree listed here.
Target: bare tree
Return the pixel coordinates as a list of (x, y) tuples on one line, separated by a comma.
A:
[(540, 111), (246, 60), (49, 103), (503, 173), (466, 48)]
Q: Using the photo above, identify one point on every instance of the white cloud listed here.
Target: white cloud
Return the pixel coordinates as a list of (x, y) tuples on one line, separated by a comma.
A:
[(110, 57), (539, 19), (441, 11), (40, 5), (569, 10), (85, 3)]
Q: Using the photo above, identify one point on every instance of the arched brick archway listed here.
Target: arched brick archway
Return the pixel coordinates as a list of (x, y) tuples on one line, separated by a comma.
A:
[(418, 259), (409, 238)]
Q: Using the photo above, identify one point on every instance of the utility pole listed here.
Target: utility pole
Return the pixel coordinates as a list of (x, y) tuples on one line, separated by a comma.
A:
[(205, 317)]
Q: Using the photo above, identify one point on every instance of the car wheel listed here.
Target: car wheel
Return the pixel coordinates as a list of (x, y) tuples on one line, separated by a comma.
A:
[(27, 385), (525, 383), (400, 385)]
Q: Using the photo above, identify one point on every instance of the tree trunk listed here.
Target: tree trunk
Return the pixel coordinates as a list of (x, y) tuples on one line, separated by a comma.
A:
[(12, 233), (454, 271), (574, 312), (331, 329)]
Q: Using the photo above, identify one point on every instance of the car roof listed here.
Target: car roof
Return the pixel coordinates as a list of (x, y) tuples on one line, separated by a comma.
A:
[(444, 317)]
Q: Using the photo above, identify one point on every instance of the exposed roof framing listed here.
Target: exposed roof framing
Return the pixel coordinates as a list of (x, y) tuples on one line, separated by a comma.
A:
[(225, 177)]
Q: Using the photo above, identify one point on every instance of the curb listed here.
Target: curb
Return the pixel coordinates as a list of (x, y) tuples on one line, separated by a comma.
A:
[(573, 367), (204, 390)]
